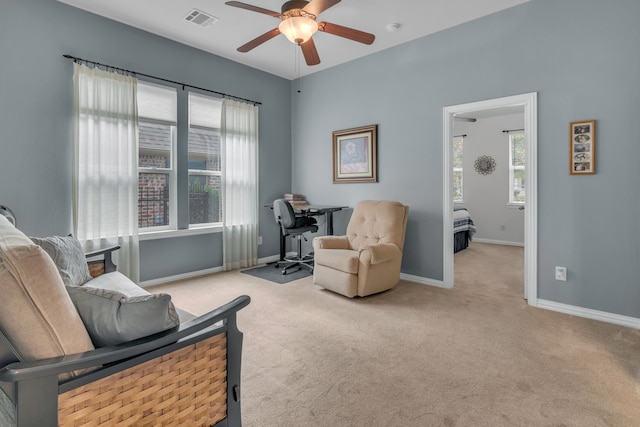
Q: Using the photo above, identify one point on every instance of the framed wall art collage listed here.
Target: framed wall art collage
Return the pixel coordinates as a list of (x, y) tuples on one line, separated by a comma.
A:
[(582, 147)]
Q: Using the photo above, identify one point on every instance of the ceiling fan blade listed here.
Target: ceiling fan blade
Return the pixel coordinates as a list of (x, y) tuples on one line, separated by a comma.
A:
[(253, 8), (316, 7), (310, 52), (259, 40), (346, 32)]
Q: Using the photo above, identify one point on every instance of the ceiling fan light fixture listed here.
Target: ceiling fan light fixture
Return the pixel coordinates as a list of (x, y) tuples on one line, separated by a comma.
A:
[(298, 29)]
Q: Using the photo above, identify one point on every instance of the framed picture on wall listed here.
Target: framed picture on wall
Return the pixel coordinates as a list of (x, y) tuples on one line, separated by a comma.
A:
[(582, 147), (355, 155)]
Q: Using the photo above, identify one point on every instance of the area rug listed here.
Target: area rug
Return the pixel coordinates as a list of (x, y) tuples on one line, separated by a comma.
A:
[(273, 274)]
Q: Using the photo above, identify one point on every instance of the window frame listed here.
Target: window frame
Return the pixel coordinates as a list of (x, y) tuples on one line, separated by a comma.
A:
[(513, 168), (172, 171), (218, 173), (205, 172), (180, 170), (457, 170), (172, 179)]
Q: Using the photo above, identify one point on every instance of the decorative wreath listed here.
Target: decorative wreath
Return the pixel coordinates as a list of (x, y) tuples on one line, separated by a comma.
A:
[(485, 165)]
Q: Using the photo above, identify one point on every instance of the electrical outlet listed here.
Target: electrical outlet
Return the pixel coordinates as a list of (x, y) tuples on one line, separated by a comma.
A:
[(502, 227), (561, 273), (259, 240)]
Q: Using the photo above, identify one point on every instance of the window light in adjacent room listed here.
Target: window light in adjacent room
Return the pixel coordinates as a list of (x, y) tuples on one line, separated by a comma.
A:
[(516, 168)]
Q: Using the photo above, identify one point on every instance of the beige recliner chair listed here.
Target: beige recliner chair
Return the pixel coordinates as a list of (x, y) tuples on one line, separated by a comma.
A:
[(367, 260)]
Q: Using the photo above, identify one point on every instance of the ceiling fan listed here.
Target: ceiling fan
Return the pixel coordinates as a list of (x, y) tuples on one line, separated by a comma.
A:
[(299, 24)]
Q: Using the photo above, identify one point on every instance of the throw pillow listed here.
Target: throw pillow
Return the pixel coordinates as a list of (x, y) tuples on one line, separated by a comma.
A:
[(37, 316), (116, 316), (68, 256)]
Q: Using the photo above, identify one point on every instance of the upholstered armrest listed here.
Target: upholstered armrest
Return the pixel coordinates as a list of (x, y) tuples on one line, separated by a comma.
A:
[(331, 242), (21, 371), (382, 252)]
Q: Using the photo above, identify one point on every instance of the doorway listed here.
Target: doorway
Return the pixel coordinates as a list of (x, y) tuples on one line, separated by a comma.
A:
[(529, 103)]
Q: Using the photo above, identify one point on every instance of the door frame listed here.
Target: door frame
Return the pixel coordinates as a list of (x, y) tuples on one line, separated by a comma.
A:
[(529, 102)]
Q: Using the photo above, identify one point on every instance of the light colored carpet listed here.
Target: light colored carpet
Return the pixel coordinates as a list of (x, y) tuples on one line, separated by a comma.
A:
[(417, 355)]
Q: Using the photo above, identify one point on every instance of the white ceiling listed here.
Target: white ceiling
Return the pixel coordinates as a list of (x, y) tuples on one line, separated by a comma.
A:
[(279, 56)]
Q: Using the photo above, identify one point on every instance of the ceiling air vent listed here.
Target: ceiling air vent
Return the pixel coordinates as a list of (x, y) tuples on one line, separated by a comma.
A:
[(199, 17)]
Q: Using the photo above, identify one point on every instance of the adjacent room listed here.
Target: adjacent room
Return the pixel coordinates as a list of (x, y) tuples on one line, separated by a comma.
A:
[(152, 139)]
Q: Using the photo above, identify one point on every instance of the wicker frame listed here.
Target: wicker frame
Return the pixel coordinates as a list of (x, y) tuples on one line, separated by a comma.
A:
[(189, 376), (185, 387)]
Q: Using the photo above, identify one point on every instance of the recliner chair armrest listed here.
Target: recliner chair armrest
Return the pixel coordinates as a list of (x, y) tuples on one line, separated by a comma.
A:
[(331, 242), (382, 252)]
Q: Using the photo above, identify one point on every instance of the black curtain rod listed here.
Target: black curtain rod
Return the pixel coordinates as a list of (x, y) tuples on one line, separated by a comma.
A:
[(226, 95), (463, 135), (511, 130)]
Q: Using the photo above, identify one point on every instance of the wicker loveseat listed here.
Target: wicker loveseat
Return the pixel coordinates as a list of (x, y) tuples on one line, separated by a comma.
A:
[(186, 375)]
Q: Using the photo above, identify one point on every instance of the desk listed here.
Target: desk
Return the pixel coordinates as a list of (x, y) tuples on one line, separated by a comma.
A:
[(314, 210), (327, 211)]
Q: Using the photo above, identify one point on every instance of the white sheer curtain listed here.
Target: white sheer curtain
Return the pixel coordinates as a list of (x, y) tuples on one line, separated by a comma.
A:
[(105, 179), (239, 131)]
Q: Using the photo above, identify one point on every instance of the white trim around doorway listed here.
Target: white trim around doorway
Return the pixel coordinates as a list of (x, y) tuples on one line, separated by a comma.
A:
[(529, 102)]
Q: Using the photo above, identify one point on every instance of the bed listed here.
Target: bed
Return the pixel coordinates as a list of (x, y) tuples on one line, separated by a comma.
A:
[(463, 229)]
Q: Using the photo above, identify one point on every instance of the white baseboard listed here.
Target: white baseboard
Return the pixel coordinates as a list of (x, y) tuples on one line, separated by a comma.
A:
[(189, 275), (192, 274), (423, 280), (272, 258), (497, 242), (603, 316)]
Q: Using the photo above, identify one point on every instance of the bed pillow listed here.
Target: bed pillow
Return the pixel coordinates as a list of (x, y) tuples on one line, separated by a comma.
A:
[(115, 310), (68, 256)]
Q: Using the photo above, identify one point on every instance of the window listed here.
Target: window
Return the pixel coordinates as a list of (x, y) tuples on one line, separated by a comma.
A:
[(458, 142), (205, 171), (158, 169), (157, 115), (516, 168), (170, 153)]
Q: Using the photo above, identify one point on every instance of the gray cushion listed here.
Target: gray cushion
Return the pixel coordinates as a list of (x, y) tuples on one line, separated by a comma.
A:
[(68, 256), (7, 411), (115, 310), (184, 316)]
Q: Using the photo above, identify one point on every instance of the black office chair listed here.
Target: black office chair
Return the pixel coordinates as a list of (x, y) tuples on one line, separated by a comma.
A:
[(296, 226)]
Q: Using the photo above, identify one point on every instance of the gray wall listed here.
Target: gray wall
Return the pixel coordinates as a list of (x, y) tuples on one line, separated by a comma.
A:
[(579, 56), (36, 95), (487, 196)]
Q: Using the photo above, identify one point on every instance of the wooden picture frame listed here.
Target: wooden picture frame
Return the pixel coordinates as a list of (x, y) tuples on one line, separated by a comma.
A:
[(355, 155), (582, 147)]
